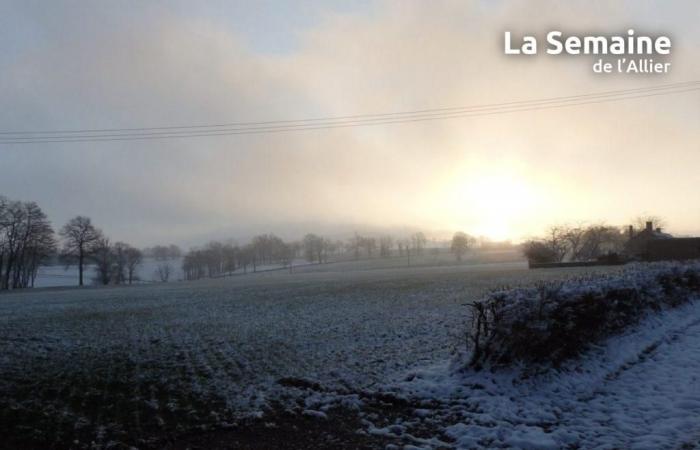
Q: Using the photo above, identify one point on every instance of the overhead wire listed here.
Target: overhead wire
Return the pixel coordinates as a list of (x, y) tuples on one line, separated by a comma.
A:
[(264, 127)]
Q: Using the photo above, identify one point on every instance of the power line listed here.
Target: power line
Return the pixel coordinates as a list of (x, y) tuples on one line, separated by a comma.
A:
[(276, 129), (361, 116), (341, 121)]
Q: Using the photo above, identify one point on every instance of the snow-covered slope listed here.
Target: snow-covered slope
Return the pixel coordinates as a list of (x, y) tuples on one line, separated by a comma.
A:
[(640, 390)]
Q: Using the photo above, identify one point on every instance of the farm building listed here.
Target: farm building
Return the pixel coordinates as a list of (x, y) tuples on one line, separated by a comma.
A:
[(654, 245), (676, 248)]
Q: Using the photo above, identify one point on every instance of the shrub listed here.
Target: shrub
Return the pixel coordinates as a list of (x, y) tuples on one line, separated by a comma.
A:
[(554, 321), (539, 252)]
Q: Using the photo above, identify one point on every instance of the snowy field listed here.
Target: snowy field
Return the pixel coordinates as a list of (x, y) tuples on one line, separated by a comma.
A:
[(60, 275), (122, 364), (175, 354)]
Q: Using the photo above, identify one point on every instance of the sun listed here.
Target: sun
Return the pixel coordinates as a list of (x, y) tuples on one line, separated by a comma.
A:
[(494, 204)]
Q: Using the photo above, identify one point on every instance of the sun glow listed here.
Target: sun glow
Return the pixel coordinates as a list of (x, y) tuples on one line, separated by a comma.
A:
[(497, 205)]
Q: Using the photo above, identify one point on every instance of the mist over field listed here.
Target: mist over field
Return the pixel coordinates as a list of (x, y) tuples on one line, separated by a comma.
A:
[(330, 224)]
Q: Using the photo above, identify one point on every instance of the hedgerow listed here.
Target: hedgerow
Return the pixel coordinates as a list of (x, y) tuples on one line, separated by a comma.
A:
[(551, 322)]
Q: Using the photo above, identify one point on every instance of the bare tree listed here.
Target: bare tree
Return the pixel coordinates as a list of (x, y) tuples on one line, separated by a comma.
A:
[(119, 249), (231, 256), (339, 247), (26, 240), (133, 258), (14, 219), (193, 265), (126, 261), (288, 256), (369, 244), (39, 244), (579, 243), (313, 247), (103, 256), (418, 240), (328, 248), (164, 256), (297, 248), (461, 242), (174, 251), (248, 258), (354, 245), (641, 221), (599, 240), (164, 252), (163, 272), (3, 238), (556, 241), (575, 239), (214, 252), (79, 239), (539, 252), (385, 245), (407, 250)]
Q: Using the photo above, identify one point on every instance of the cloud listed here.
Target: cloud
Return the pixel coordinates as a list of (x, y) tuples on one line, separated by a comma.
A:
[(149, 66)]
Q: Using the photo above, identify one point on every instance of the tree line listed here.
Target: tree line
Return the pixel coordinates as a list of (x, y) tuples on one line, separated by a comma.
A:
[(27, 241), (84, 243), (218, 259), (582, 242)]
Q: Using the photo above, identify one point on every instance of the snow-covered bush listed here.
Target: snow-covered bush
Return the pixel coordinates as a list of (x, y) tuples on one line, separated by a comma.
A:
[(554, 321)]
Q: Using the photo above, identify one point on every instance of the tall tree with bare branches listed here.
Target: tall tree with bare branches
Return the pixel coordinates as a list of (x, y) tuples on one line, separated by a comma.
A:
[(80, 237)]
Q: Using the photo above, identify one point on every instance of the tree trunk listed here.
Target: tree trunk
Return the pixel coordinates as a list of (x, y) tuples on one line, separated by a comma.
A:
[(80, 267), (8, 269)]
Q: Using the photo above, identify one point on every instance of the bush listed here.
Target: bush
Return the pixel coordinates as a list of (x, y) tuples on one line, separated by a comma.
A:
[(554, 321), (539, 252)]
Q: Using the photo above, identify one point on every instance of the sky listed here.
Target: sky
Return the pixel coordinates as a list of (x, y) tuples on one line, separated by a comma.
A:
[(78, 65)]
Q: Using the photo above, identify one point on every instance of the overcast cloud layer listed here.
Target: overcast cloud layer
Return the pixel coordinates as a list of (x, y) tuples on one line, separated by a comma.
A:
[(69, 65)]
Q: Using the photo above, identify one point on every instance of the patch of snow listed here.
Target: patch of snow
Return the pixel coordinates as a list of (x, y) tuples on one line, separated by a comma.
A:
[(639, 390), (314, 413)]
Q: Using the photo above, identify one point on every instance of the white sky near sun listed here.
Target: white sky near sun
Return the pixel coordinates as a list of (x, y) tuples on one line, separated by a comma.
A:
[(79, 64)]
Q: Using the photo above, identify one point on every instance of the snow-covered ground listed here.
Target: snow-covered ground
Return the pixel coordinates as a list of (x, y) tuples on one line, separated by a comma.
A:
[(60, 275), (103, 364), (168, 351), (147, 272), (640, 390)]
